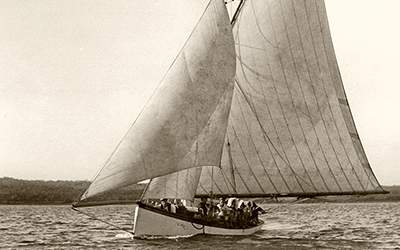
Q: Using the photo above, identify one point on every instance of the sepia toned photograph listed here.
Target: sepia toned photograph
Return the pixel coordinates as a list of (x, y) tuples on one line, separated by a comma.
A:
[(199, 124)]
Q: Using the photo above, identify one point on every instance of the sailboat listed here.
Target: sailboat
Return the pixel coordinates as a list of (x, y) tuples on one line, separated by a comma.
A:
[(252, 107)]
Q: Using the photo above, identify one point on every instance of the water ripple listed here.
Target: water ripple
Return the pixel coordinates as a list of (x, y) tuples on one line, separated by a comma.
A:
[(300, 226)]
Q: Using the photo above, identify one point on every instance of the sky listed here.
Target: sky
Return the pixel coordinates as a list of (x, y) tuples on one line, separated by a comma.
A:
[(74, 75)]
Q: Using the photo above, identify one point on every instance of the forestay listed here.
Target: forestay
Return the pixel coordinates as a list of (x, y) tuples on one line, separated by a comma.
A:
[(184, 123)]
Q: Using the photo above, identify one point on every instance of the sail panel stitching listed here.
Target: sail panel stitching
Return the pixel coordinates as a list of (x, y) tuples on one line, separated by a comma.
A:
[(234, 165), (259, 122), (370, 174), (291, 97), (280, 102), (330, 107), (267, 108), (226, 179), (323, 119), (296, 176), (244, 155), (270, 144), (258, 155), (333, 66), (237, 38), (284, 159), (309, 114), (240, 176)]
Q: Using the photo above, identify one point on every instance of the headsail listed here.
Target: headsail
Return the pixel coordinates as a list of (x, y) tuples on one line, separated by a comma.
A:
[(183, 184), (179, 127)]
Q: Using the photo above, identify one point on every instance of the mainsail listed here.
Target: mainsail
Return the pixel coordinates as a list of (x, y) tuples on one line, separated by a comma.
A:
[(184, 123), (290, 130)]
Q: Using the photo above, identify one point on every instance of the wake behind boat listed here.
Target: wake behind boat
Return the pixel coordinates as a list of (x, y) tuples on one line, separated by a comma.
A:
[(251, 107)]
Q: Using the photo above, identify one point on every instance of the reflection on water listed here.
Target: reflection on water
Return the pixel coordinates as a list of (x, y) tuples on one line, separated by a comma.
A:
[(297, 226)]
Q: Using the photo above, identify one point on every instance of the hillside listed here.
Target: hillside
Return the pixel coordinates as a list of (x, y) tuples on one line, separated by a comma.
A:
[(15, 191)]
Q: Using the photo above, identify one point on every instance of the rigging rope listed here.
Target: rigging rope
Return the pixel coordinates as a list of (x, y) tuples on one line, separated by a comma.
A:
[(202, 224), (288, 203), (106, 222), (198, 228)]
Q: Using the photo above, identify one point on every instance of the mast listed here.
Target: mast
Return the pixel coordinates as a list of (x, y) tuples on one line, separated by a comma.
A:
[(236, 14)]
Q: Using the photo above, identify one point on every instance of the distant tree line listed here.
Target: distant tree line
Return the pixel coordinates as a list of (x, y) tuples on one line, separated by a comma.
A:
[(15, 191)]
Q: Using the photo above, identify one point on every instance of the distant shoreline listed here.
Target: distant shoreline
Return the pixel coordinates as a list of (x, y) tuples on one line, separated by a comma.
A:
[(259, 203), (38, 192)]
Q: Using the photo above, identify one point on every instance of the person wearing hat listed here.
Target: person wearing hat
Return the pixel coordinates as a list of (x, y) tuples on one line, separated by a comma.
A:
[(165, 205)]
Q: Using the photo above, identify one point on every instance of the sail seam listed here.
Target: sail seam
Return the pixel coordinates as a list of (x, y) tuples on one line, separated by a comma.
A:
[(332, 114), (255, 115), (296, 176), (280, 103), (261, 127), (288, 127), (237, 38), (268, 144), (291, 96), (244, 155), (362, 152), (330, 146), (308, 114), (202, 187), (241, 177), (242, 64), (265, 134), (255, 148), (233, 163)]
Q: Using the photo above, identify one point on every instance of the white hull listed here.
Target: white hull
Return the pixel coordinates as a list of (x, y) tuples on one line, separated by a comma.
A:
[(152, 223)]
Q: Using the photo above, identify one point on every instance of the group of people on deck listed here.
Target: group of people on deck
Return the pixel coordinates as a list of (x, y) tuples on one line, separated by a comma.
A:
[(232, 212), (178, 207)]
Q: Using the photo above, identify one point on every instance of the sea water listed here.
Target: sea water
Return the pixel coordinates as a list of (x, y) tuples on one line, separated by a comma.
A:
[(288, 226)]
